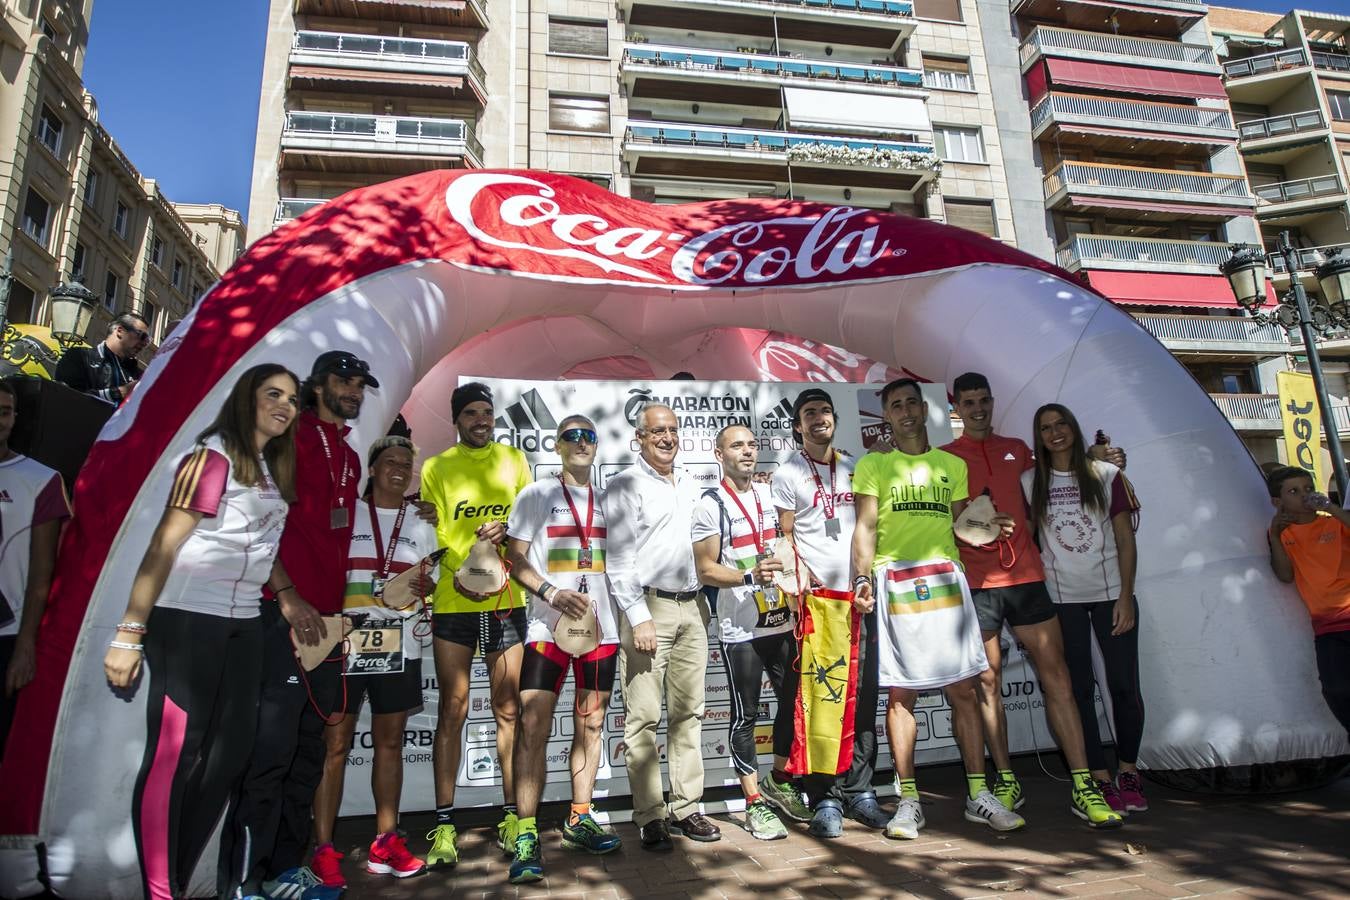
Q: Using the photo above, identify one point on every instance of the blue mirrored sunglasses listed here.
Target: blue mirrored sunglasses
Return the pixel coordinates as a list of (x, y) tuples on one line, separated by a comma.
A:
[(577, 435)]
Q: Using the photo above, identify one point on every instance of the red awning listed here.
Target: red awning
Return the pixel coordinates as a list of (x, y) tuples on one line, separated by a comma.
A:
[(1159, 289), (1134, 79), (1145, 135), (1180, 209)]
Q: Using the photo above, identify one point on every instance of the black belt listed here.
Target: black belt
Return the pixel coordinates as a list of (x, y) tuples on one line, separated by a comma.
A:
[(678, 596)]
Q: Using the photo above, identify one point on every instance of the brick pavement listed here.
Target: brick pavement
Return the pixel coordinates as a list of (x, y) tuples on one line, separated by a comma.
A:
[(1185, 845)]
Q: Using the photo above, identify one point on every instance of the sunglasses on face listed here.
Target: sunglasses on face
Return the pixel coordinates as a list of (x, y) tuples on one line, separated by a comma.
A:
[(577, 435), (141, 335)]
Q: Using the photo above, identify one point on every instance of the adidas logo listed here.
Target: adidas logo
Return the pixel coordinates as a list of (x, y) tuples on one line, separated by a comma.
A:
[(294, 679), (1008, 457), (528, 424), (4, 496), (779, 416)]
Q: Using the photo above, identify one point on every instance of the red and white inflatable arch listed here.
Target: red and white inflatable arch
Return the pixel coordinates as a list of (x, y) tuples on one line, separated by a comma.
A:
[(531, 275)]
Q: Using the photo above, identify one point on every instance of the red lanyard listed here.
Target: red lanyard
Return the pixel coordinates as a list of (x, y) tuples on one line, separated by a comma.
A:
[(328, 455), (585, 533), (826, 499), (756, 530), (388, 554)]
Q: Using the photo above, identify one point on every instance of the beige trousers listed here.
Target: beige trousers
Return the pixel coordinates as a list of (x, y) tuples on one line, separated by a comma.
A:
[(676, 673)]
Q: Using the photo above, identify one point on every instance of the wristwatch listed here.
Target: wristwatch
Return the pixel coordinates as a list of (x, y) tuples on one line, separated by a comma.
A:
[(749, 579)]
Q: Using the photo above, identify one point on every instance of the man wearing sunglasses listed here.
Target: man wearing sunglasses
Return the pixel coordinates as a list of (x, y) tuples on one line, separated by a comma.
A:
[(556, 545), (110, 370)]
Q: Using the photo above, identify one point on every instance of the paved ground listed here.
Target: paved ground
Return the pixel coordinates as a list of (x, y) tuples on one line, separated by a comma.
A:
[(1185, 845)]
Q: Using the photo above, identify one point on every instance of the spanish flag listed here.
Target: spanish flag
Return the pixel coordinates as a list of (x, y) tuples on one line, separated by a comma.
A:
[(822, 742)]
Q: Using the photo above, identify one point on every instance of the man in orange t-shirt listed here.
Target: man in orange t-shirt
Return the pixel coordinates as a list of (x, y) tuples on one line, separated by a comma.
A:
[(1309, 537)]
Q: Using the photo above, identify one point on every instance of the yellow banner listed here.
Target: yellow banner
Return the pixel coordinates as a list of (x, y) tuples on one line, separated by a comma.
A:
[(1302, 424)]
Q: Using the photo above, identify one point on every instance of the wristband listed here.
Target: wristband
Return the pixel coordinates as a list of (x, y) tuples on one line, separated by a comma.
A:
[(131, 627), (749, 579), (544, 588), (126, 645), (860, 579)]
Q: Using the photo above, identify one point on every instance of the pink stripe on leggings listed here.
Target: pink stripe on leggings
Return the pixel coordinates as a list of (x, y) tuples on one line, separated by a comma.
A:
[(155, 800)]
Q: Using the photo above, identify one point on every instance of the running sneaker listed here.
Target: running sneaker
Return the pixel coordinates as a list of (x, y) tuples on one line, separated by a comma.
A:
[(528, 865), (299, 884), (444, 852), (907, 821), (1009, 793), (327, 865), (1132, 792), (506, 833), (785, 798), (986, 809), (587, 835), (389, 856), (762, 824), (1111, 795), (1090, 806)]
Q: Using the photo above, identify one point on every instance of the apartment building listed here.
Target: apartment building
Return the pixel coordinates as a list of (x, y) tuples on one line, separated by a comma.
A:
[(74, 206), (217, 229)]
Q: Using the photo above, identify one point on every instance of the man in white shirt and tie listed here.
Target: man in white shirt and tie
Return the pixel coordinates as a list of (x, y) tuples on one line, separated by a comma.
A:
[(663, 631)]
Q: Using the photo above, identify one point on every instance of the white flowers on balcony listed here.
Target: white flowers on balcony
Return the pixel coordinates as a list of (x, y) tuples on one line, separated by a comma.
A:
[(870, 157)]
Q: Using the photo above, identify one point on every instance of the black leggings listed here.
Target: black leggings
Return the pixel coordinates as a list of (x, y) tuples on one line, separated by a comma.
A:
[(1120, 653), (201, 711), (1333, 670), (747, 664)]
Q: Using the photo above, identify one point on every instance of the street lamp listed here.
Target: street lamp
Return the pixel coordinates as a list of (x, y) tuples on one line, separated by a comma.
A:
[(73, 307), (1246, 273)]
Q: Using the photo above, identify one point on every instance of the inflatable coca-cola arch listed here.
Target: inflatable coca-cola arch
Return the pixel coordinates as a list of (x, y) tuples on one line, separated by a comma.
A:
[(532, 275)]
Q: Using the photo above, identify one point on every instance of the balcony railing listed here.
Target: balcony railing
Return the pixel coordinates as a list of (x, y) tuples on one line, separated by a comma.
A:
[(769, 65), (1129, 112), (418, 53), (1088, 248), (1094, 176), (1335, 62), (1249, 407), (293, 208), (1216, 329), (1279, 126), (1265, 64), (797, 146), (1046, 39), (391, 130), (1305, 258), (1299, 189)]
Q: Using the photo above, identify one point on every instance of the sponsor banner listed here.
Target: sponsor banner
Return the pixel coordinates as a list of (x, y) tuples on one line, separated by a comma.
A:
[(1302, 424)]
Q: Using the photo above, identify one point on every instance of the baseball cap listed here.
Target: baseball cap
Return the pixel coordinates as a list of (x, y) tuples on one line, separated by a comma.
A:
[(341, 362)]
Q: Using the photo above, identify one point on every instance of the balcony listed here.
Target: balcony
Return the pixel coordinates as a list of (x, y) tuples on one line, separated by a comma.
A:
[(873, 24), (1215, 334), (662, 61), (1302, 195), (1077, 181), (1135, 254), (667, 149), (1146, 17), (1265, 64), (379, 57), (452, 13), (1260, 130), (1331, 62), (1250, 412), (1166, 118), (289, 208), (369, 144), (1305, 259), (1094, 46)]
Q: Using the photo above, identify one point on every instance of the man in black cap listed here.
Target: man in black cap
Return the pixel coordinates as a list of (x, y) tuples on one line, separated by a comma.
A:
[(813, 492), (268, 825)]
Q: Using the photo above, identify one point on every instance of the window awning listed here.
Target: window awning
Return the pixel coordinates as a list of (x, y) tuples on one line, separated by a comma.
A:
[(1190, 209), (1158, 289), (1134, 79), (1144, 135), (840, 110), (329, 73)]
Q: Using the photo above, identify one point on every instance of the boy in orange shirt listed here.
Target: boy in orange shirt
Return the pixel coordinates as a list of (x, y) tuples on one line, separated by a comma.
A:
[(1309, 539)]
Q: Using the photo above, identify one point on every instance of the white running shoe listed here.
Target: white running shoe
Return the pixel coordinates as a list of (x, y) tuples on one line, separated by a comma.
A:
[(907, 821), (989, 810)]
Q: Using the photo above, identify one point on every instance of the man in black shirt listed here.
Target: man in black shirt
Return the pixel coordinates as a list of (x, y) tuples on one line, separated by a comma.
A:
[(109, 370)]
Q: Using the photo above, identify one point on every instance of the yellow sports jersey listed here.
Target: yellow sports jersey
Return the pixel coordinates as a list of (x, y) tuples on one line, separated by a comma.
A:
[(471, 486), (914, 502)]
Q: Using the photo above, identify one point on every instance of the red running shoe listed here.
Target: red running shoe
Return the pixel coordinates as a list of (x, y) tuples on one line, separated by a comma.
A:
[(1111, 796), (1132, 791), (327, 865), (390, 856)]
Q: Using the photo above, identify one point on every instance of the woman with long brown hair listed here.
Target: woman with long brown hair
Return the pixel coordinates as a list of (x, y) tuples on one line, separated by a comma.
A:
[(1087, 514), (193, 618)]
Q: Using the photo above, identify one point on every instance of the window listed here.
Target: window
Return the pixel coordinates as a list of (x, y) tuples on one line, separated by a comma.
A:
[(947, 74), (157, 252), (111, 285), (122, 220), (974, 215), (196, 290), (50, 31), (77, 262), (151, 314), (37, 216), (578, 37), (49, 129), (958, 144), (569, 112), (22, 302), (1340, 105), (178, 273), (91, 188)]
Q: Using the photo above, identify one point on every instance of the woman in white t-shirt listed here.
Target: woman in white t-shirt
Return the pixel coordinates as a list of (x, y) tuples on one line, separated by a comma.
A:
[(193, 617), (1086, 513)]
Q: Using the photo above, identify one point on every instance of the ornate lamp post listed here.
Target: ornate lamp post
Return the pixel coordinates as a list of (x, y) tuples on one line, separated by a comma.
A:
[(73, 307)]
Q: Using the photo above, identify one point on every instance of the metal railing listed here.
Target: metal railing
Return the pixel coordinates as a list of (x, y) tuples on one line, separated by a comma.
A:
[(1265, 64), (1129, 111), (294, 207), (1278, 126), (1105, 248), (1082, 174), (758, 140), (1336, 62), (1223, 329), (1248, 406), (1305, 258), (1044, 37), (893, 8), (392, 49), (391, 129), (769, 64), (1299, 189)]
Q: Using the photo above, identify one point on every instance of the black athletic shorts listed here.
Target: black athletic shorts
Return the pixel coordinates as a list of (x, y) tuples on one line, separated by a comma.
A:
[(1021, 604), (483, 632), (544, 668), (392, 693)]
